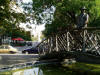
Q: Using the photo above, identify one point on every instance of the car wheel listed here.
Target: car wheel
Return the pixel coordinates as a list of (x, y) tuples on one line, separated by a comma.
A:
[(12, 52)]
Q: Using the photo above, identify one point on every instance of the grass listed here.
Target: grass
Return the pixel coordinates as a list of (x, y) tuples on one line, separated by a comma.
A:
[(93, 69), (77, 68)]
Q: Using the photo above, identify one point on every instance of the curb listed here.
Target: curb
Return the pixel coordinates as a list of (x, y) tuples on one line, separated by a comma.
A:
[(17, 66)]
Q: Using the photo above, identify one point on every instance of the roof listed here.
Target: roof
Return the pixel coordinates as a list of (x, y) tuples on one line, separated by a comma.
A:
[(18, 39)]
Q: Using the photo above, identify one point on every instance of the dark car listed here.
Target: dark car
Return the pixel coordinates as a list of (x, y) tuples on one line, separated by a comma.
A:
[(30, 51)]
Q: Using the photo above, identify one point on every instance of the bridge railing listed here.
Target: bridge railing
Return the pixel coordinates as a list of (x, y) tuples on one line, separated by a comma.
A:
[(85, 40)]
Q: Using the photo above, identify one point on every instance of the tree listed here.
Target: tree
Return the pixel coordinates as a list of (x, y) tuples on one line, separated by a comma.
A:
[(96, 18), (9, 18), (66, 12), (19, 32)]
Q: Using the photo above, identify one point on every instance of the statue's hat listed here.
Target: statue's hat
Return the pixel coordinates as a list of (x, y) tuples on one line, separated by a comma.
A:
[(83, 8)]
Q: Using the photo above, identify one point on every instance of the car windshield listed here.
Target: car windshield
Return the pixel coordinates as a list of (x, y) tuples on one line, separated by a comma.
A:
[(33, 48), (4, 47)]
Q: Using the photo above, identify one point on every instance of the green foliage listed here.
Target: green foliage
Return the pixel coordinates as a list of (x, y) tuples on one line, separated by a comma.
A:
[(18, 32), (51, 68), (4, 11), (93, 69), (34, 39), (66, 12), (96, 18), (9, 19)]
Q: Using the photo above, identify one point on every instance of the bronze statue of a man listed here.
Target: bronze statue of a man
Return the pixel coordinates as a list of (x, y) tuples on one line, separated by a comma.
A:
[(83, 18)]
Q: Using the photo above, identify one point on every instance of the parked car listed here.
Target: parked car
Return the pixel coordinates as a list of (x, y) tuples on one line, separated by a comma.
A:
[(7, 49), (30, 51)]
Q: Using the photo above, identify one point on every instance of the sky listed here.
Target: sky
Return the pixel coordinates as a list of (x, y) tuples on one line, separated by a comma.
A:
[(23, 25), (26, 1), (35, 29)]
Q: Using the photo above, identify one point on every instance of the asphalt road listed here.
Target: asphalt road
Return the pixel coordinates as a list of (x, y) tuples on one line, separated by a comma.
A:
[(10, 59)]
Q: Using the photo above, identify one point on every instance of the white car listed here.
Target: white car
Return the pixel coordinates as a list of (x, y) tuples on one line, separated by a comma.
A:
[(7, 49)]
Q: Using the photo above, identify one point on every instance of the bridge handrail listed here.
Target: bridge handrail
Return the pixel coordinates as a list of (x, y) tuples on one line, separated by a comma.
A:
[(71, 39), (41, 42), (87, 28)]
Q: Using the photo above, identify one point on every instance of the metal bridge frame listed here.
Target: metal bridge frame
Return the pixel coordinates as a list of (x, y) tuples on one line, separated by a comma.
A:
[(85, 40)]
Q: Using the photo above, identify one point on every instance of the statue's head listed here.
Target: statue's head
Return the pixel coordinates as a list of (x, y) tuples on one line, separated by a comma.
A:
[(83, 9)]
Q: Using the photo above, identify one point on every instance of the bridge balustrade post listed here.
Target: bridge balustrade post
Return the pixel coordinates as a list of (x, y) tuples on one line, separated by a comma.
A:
[(84, 40), (67, 41), (42, 48), (57, 43), (50, 44), (39, 51)]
